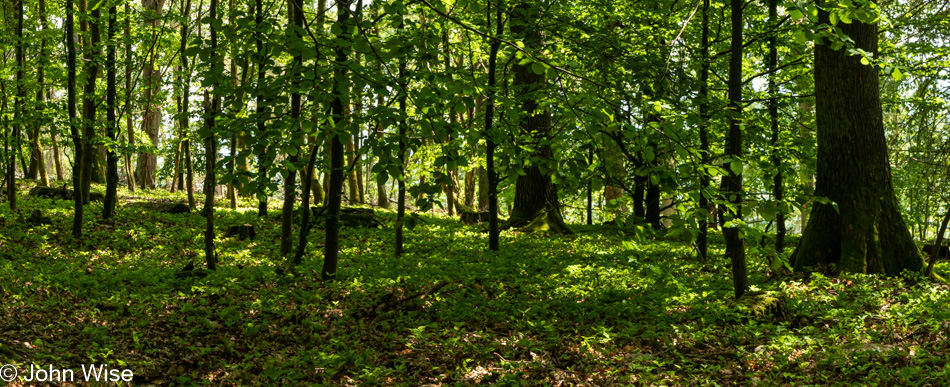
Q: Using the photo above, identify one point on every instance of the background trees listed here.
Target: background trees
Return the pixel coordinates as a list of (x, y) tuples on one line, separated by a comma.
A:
[(450, 107)]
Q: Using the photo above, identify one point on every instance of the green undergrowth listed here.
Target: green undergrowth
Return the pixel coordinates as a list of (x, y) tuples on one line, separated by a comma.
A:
[(604, 306)]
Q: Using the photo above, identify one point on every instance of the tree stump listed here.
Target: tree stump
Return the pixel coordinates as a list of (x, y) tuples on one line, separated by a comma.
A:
[(242, 232), (349, 217), (61, 193), (177, 209), (471, 217)]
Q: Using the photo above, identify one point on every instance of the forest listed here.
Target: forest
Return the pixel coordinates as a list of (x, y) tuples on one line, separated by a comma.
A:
[(461, 192)]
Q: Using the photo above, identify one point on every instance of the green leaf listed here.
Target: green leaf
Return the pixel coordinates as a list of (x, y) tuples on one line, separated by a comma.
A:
[(537, 68), (736, 167), (897, 74), (799, 37), (796, 14)]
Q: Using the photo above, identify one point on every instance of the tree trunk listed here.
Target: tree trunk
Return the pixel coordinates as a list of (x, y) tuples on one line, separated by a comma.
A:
[(153, 114), (335, 199), (290, 175), (536, 205), (490, 173), (866, 233), (36, 156), (778, 187), (112, 160), (401, 180), (73, 125), (129, 170), (211, 143), (702, 244), (732, 183), (91, 54), (20, 101)]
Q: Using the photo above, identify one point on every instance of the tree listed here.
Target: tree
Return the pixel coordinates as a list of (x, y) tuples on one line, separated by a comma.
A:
[(536, 203), (37, 161), (212, 108), (19, 104), (147, 162), (778, 184), (732, 183), (112, 160), (859, 227), (338, 133), (492, 175), (78, 144), (702, 245)]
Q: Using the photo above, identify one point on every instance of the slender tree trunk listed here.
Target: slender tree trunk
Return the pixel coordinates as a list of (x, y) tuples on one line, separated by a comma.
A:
[(401, 181), (20, 101), (260, 111), (732, 183), (778, 187), (351, 180), (494, 45), (211, 144), (290, 176), (334, 200), (129, 169), (112, 160), (702, 244), (57, 157), (866, 232), (36, 144), (73, 125)]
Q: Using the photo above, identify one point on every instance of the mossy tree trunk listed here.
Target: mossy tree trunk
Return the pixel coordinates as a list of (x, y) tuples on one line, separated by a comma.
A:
[(866, 233), (536, 205)]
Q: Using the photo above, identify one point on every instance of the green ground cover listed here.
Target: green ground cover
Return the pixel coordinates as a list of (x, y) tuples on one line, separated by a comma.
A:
[(603, 307)]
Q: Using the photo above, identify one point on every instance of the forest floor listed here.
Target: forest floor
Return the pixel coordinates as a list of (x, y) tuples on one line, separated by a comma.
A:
[(603, 307)]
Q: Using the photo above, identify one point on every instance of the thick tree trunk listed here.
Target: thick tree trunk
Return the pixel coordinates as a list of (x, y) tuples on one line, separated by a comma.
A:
[(536, 205), (866, 233)]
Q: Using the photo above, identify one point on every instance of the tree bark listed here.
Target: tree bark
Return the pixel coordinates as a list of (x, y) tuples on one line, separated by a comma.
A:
[(19, 104), (153, 115), (490, 173), (732, 183), (129, 170), (91, 54), (778, 185), (702, 244), (73, 125), (112, 160), (290, 175), (36, 156), (866, 233), (536, 205), (211, 143), (338, 133)]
